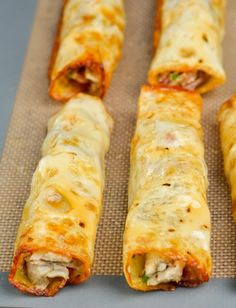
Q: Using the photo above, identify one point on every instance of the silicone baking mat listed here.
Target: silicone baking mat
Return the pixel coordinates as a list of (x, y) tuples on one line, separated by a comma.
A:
[(33, 108)]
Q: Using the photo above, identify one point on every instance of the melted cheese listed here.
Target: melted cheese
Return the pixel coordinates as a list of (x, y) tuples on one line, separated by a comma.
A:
[(60, 218), (168, 213), (91, 36), (189, 40)]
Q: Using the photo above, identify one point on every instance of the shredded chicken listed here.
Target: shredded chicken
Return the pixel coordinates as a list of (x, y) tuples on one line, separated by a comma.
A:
[(42, 267), (86, 77), (91, 76), (187, 80), (157, 271)]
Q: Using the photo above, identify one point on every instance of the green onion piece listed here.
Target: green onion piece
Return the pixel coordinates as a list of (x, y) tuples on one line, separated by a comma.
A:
[(144, 278), (174, 75)]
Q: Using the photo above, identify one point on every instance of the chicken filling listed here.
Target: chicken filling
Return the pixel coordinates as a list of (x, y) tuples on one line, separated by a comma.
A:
[(43, 267), (187, 80), (157, 271), (87, 79)]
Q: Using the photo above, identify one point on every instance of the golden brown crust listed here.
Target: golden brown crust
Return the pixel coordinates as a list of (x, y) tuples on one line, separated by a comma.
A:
[(56, 43), (229, 104), (18, 263), (88, 63), (174, 89), (157, 28)]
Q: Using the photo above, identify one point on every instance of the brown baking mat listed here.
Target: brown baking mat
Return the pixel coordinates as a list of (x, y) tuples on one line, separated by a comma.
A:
[(33, 108)]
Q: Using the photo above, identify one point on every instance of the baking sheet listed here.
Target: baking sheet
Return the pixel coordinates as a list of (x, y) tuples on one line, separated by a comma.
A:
[(112, 291), (33, 108)]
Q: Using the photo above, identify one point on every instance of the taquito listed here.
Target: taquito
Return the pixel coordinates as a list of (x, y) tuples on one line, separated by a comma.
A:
[(227, 121), (187, 43), (87, 47), (55, 240), (167, 232)]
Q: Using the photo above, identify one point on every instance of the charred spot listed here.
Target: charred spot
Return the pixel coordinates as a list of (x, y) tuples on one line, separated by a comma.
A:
[(166, 148), (133, 256), (205, 227), (82, 225), (204, 37), (136, 204), (166, 184), (188, 209), (181, 220), (72, 271), (171, 230), (200, 61)]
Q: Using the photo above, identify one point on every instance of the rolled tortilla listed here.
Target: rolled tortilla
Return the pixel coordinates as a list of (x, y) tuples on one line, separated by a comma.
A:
[(187, 44), (227, 121), (87, 47), (55, 240), (167, 232)]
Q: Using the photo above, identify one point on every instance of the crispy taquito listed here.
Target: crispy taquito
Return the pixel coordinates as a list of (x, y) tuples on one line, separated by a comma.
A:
[(55, 240), (167, 232)]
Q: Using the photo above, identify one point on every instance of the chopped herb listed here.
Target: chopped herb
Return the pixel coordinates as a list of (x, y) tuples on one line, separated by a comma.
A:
[(144, 278), (174, 75)]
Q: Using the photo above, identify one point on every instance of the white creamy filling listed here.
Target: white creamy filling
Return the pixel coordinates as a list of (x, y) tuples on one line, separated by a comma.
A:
[(41, 267), (158, 271)]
